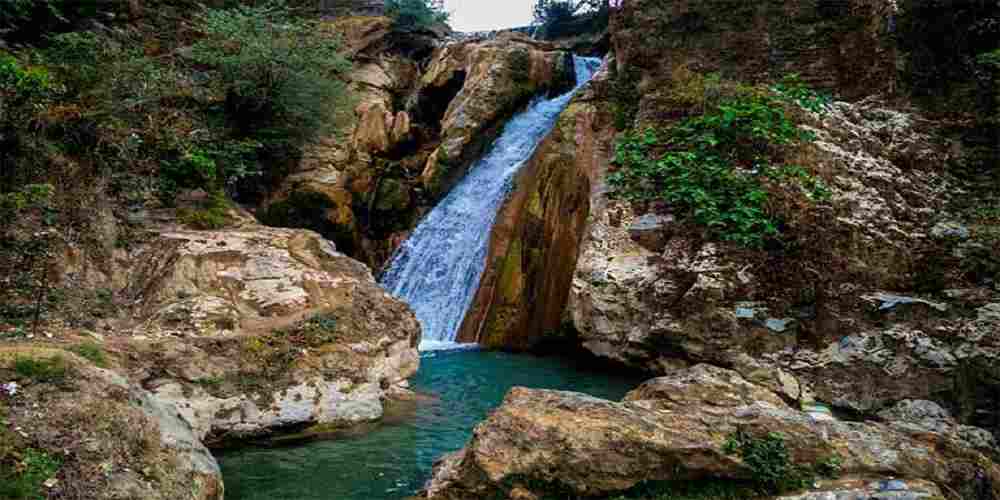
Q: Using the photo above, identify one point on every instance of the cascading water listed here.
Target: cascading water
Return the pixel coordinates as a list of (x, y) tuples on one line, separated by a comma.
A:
[(437, 271)]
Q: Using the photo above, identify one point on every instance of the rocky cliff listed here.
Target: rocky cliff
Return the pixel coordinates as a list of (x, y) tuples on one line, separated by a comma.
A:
[(425, 110), (883, 291)]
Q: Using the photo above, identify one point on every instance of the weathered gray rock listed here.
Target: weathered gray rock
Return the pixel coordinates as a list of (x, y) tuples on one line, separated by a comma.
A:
[(650, 231), (859, 489), (929, 416), (115, 439), (253, 330)]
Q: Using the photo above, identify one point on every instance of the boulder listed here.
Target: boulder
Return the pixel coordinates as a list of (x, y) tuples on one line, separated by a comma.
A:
[(540, 441), (108, 438), (254, 330)]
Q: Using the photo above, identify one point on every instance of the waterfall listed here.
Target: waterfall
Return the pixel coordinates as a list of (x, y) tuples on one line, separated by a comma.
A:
[(437, 270)]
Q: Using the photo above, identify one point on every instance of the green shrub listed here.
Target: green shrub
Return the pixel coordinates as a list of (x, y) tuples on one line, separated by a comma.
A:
[(47, 370), (769, 462), (212, 214), (716, 168), (625, 97), (558, 18), (22, 475), (281, 76), (416, 14), (92, 352), (793, 89)]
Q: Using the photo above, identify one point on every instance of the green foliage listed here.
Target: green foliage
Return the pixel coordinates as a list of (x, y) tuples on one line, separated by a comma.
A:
[(323, 322), (23, 474), (559, 17), (830, 467), (92, 352), (625, 97), (211, 214), (716, 168), (31, 196), (990, 59), (416, 14), (19, 83), (212, 168), (793, 89), (281, 76), (768, 459), (44, 370)]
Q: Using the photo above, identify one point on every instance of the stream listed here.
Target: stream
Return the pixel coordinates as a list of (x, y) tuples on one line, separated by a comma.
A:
[(394, 460)]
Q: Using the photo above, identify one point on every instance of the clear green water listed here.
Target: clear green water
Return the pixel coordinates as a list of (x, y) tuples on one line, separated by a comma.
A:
[(393, 461)]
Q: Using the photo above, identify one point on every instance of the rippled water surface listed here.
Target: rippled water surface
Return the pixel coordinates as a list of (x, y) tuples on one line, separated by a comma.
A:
[(393, 461)]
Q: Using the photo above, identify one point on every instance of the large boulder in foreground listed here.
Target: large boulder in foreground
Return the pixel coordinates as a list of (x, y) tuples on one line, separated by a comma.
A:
[(676, 429), (254, 330), (71, 430)]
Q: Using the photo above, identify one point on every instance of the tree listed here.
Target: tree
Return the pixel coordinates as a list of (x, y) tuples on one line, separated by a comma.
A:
[(557, 17), (276, 71), (416, 14)]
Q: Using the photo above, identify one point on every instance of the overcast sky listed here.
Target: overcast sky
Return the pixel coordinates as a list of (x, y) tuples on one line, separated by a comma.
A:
[(485, 15)]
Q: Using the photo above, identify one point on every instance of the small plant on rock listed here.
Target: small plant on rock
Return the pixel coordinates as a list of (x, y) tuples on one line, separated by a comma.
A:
[(718, 169), (44, 370), (769, 462)]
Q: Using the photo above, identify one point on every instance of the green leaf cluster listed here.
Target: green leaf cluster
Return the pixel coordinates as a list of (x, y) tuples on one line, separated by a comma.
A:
[(281, 75), (22, 474), (716, 168), (793, 89), (769, 462)]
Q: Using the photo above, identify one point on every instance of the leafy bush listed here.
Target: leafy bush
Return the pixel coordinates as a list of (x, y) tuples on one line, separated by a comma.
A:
[(212, 214), (47, 370), (281, 76), (22, 476), (715, 168), (23, 92), (558, 17), (792, 88), (92, 352), (416, 14), (769, 462)]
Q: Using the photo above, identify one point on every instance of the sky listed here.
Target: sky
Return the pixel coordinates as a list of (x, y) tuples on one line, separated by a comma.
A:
[(486, 15)]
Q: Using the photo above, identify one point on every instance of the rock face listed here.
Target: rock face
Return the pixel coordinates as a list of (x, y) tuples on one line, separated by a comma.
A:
[(686, 298), (425, 110), (252, 330), (111, 438), (500, 76), (844, 46), (534, 243), (541, 441)]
